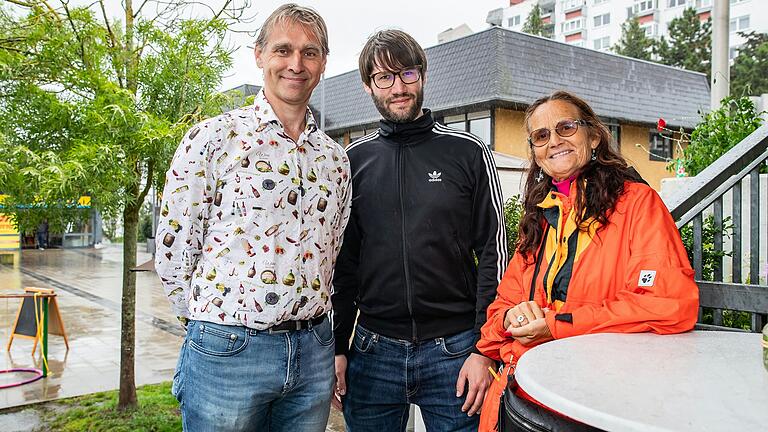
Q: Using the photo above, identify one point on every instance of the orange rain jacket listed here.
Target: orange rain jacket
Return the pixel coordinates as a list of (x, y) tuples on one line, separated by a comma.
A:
[(632, 276)]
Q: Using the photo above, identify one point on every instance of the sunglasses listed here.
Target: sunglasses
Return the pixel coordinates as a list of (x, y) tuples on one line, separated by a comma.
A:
[(386, 79), (564, 128)]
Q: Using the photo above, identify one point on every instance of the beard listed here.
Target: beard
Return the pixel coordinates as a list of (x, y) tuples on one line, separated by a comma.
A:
[(399, 116)]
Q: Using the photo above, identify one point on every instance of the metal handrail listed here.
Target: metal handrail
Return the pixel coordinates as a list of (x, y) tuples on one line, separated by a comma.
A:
[(731, 163), (704, 194)]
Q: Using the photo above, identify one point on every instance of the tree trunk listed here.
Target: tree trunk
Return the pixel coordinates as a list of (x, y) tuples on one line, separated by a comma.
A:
[(127, 399)]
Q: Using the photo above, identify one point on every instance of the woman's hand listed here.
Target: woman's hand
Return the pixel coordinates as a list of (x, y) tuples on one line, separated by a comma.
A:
[(526, 324)]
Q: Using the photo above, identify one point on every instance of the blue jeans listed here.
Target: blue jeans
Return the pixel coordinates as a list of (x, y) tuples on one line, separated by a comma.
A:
[(231, 378), (385, 376)]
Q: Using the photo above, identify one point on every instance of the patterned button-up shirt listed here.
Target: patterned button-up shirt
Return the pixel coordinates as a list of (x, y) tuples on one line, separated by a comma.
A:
[(251, 221)]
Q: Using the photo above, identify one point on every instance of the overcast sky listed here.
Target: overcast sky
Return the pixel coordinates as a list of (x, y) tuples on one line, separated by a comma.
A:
[(351, 22), (349, 25)]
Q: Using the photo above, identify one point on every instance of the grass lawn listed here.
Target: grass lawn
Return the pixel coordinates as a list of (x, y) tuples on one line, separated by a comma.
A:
[(158, 411)]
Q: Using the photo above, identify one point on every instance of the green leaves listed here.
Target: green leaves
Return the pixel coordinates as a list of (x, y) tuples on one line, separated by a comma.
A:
[(688, 44), (634, 42), (513, 212), (534, 24), (719, 131), (748, 73)]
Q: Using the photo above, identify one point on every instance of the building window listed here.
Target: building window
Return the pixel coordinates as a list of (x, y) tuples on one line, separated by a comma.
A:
[(737, 1), (572, 4), (597, 2), (602, 20), (603, 43), (703, 3), (514, 21), (478, 123), (733, 52), (572, 25), (660, 147), (642, 6), (739, 24), (675, 3), (615, 130), (650, 30)]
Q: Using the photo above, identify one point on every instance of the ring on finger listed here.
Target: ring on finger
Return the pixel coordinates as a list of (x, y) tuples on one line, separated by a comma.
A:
[(521, 318)]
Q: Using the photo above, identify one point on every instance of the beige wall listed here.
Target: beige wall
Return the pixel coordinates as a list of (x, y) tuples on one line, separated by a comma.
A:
[(652, 171), (510, 138), (509, 133)]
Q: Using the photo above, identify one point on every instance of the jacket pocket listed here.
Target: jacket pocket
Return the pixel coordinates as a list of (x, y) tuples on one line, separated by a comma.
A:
[(218, 340), (462, 266)]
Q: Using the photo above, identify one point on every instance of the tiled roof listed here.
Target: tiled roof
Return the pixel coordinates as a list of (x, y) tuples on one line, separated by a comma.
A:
[(509, 68)]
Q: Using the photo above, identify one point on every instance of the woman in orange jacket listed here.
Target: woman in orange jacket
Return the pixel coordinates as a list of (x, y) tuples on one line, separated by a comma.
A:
[(598, 250)]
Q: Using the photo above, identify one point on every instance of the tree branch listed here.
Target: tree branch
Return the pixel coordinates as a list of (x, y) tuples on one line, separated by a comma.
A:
[(113, 43), (65, 5), (150, 174)]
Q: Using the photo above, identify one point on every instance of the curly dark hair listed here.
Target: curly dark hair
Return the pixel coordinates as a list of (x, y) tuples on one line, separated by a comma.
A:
[(604, 176)]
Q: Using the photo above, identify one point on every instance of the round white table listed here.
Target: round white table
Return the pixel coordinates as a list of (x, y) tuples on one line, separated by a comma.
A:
[(697, 381)]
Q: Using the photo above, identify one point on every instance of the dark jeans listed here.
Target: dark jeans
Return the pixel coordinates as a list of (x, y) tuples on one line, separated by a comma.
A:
[(42, 239), (385, 376)]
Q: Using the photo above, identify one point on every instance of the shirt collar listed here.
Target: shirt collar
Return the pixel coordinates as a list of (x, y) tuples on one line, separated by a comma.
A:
[(267, 115)]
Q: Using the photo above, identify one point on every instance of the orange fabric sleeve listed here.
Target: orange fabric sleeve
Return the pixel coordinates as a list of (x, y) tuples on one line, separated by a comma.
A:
[(667, 305), (493, 342)]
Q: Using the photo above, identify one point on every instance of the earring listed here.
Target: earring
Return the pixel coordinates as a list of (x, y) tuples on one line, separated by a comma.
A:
[(594, 155), (540, 175)]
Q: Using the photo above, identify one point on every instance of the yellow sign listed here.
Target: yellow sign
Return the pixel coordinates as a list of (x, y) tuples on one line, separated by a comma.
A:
[(9, 236), (84, 201)]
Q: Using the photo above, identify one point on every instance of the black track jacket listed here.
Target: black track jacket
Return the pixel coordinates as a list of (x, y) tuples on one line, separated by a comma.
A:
[(425, 201)]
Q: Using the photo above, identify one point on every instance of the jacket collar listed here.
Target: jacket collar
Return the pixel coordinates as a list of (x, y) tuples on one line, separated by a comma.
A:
[(421, 125)]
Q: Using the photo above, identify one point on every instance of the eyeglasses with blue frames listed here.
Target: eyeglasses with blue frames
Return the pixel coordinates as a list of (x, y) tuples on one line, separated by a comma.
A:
[(386, 79), (564, 128)]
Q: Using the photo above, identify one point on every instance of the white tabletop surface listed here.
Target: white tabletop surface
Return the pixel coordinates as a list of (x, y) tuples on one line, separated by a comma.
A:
[(697, 381)]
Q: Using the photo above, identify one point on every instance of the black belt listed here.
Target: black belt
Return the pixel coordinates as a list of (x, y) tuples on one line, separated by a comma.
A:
[(287, 326)]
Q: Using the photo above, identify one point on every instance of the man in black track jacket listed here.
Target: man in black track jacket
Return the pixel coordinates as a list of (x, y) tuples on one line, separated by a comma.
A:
[(423, 253)]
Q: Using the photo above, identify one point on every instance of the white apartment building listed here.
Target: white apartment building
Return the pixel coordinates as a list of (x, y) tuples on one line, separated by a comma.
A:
[(596, 24)]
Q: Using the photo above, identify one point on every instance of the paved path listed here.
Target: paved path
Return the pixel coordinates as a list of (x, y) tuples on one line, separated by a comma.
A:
[(88, 285)]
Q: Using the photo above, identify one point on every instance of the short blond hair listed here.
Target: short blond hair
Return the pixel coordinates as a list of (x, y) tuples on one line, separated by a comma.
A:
[(295, 14)]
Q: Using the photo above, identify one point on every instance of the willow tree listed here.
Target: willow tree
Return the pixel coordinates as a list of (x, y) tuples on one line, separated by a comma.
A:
[(97, 104)]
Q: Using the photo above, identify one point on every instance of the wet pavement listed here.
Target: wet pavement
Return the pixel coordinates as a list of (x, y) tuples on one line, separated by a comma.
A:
[(87, 283), (88, 287)]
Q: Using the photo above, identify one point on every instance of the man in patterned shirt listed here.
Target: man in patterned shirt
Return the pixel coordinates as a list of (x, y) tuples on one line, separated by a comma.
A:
[(254, 207)]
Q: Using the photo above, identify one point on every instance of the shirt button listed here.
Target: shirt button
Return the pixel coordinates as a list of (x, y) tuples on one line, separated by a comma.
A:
[(272, 298), (552, 196)]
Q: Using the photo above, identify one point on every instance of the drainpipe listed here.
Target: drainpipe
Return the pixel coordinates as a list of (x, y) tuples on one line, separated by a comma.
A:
[(721, 74)]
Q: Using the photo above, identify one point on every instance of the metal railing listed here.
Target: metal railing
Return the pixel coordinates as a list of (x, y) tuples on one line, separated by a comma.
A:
[(733, 179)]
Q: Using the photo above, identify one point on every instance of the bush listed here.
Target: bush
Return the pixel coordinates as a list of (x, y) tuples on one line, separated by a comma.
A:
[(710, 260), (719, 131), (513, 212)]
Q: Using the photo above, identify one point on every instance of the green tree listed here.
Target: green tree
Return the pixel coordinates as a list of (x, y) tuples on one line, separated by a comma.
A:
[(534, 24), (689, 43), (98, 105), (748, 73), (634, 42), (719, 131)]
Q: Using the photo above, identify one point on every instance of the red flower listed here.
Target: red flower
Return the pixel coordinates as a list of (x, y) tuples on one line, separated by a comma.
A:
[(661, 125)]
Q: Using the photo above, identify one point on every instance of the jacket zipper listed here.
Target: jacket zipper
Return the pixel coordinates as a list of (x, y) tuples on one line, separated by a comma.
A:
[(401, 185)]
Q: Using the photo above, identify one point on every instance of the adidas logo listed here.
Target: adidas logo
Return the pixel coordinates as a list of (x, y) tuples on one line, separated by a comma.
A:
[(434, 176)]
